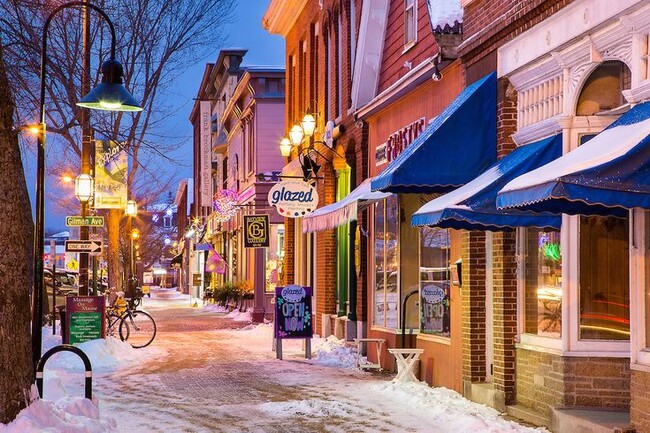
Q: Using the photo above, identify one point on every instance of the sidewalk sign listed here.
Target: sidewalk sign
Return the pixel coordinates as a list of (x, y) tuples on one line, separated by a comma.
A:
[(293, 316), (86, 318)]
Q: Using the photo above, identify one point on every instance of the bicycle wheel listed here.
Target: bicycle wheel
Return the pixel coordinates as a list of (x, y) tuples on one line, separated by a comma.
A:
[(112, 320), (139, 327)]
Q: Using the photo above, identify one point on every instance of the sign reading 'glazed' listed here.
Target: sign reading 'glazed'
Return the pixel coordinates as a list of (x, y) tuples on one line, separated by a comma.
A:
[(293, 198), (293, 312)]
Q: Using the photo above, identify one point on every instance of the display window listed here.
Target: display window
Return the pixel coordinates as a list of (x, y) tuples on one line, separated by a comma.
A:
[(435, 284), (542, 255)]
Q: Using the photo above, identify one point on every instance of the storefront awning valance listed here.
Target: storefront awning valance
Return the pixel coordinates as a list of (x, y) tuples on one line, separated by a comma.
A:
[(605, 176), (473, 206), (177, 259), (336, 214), (455, 148)]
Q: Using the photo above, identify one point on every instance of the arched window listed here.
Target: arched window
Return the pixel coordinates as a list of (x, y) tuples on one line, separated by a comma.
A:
[(603, 88)]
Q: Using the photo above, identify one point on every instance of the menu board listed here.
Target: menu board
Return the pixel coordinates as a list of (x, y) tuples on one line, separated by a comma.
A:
[(293, 314)]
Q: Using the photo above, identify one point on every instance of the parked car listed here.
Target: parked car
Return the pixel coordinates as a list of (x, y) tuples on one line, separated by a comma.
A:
[(64, 284)]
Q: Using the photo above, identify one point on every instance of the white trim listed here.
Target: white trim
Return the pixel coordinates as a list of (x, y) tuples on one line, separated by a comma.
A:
[(639, 351), (640, 367), (411, 42), (370, 48)]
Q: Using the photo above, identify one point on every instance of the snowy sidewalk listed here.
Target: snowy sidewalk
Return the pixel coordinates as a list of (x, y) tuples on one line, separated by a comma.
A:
[(207, 372)]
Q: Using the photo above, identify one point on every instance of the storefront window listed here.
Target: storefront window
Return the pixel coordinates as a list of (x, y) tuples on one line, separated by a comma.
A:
[(386, 262), (543, 282), (604, 279), (434, 281)]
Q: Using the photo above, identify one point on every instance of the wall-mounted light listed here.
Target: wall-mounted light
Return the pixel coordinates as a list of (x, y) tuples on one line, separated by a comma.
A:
[(308, 124), (296, 134), (285, 147)]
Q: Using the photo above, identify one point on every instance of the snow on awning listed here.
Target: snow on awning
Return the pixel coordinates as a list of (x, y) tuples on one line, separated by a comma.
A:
[(444, 15), (473, 206), (336, 214), (605, 176)]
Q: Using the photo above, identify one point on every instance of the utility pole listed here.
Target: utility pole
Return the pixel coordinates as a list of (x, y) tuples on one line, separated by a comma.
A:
[(86, 138)]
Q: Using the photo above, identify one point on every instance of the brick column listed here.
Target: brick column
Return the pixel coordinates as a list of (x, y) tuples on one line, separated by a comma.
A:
[(473, 305), (504, 313), (288, 275)]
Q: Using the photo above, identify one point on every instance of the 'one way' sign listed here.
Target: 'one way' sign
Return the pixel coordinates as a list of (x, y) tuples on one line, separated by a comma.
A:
[(79, 246)]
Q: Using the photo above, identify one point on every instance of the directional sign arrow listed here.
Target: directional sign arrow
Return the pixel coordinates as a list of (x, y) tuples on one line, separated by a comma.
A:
[(83, 246)]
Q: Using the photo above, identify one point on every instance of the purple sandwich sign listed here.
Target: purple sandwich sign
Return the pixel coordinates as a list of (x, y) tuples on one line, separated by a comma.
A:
[(293, 315)]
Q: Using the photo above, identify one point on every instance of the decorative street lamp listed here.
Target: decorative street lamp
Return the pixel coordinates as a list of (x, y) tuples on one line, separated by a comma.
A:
[(135, 234), (84, 187), (296, 134), (308, 124), (131, 208), (285, 147), (114, 96)]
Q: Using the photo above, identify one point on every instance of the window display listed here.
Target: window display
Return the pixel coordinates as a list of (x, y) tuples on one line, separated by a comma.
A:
[(435, 281), (386, 229)]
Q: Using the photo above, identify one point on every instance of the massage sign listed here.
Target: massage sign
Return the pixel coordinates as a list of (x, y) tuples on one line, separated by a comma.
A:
[(293, 198), (293, 316)]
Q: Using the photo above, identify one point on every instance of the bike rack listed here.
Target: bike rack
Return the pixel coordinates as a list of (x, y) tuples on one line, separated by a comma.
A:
[(88, 389)]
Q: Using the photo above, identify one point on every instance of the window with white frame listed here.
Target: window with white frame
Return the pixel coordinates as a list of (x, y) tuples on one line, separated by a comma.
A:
[(542, 261), (410, 23), (435, 284)]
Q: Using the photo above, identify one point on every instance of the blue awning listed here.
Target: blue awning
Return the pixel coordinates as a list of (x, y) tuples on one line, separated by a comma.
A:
[(605, 176), (455, 148), (473, 206)]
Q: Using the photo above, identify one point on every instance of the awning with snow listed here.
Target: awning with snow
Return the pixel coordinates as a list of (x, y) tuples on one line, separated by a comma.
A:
[(473, 206), (605, 176), (336, 214), (455, 148)]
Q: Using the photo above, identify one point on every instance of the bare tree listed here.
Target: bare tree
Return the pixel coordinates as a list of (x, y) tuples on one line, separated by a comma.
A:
[(15, 264), (157, 41)]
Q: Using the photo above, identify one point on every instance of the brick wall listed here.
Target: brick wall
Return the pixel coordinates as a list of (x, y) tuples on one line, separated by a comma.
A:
[(504, 313), (473, 305), (488, 24), (545, 380), (640, 405)]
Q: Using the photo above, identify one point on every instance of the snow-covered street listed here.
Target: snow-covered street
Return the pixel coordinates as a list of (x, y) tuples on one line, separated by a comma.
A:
[(210, 372)]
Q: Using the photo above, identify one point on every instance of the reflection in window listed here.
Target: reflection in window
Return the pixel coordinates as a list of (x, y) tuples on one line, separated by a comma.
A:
[(386, 263), (434, 281), (543, 282), (604, 279)]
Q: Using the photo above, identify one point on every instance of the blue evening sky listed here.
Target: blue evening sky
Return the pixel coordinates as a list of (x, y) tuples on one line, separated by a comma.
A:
[(245, 31)]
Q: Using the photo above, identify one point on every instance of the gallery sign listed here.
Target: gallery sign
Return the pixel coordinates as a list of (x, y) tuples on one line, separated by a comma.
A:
[(85, 318), (256, 231), (293, 198)]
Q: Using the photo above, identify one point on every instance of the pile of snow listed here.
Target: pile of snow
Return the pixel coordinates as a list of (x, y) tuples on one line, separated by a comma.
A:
[(69, 415), (332, 352), (238, 316), (215, 308), (64, 409)]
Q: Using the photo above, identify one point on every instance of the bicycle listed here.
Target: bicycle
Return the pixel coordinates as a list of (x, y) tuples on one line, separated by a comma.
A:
[(136, 327)]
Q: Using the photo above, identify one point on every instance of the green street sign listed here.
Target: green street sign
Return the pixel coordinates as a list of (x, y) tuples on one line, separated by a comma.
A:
[(89, 221)]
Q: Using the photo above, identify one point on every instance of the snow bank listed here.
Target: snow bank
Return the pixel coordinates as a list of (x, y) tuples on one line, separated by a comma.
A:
[(69, 415), (332, 352)]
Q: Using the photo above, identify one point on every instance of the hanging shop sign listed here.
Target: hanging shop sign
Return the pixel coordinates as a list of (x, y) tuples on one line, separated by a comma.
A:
[(293, 198), (398, 141), (256, 231), (293, 312), (85, 318)]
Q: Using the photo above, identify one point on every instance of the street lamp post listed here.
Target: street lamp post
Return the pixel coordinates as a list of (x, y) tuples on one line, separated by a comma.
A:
[(109, 95), (131, 211)]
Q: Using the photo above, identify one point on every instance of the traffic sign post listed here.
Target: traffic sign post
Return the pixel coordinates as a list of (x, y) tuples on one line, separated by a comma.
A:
[(91, 247)]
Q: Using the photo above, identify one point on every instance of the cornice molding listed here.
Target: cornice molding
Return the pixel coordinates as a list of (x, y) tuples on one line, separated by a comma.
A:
[(281, 16)]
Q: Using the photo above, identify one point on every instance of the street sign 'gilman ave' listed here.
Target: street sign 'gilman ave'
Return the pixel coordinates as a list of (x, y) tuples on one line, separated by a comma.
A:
[(89, 221)]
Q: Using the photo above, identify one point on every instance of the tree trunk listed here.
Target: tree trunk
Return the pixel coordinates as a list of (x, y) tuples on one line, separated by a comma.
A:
[(16, 232)]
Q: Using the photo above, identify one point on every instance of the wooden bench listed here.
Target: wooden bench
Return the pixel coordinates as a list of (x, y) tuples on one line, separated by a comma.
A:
[(379, 342)]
